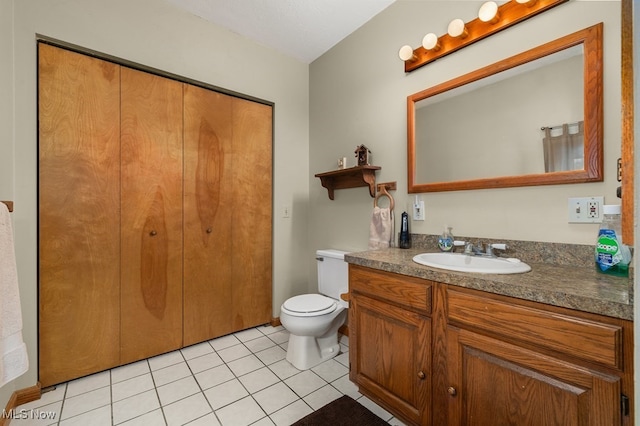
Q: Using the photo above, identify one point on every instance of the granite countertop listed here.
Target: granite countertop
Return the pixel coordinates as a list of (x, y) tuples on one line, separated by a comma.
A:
[(575, 287)]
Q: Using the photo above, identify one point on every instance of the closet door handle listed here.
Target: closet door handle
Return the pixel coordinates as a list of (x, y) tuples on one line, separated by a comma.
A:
[(421, 375), (209, 230), (153, 233)]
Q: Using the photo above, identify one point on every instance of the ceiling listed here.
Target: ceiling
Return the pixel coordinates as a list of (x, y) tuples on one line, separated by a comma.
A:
[(302, 29)]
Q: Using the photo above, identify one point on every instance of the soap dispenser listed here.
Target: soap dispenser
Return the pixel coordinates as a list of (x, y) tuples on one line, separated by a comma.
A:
[(445, 241), (405, 236)]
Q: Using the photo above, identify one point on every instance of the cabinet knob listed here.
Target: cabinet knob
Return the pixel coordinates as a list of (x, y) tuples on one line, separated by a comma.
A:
[(209, 230), (452, 391), (421, 375), (153, 233)]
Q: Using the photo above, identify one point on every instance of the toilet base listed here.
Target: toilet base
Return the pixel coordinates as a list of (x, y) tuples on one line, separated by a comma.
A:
[(305, 352)]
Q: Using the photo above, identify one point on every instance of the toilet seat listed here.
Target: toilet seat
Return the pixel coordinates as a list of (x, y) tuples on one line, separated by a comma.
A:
[(309, 305)]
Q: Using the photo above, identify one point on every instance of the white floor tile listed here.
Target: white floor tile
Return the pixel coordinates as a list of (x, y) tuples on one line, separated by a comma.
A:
[(152, 418), (165, 360), (291, 413), (240, 413), (279, 337), (224, 342), (245, 365), (271, 355), (305, 383), (259, 344), (346, 387), (246, 335), (207, 420), (225, 394), (283, 369), (185, 410), (85, 402), (322, 397), (204, 362), (234, 352), (259, 379), (343, 359), (130, 387), (375, 408), (128, 371), (177, 390), (88, 383), (330, 370), (275, 397), (268, 329), (171, 373), (135, 406), (214, 376), (197, 350), (36, 416), (98, 417)]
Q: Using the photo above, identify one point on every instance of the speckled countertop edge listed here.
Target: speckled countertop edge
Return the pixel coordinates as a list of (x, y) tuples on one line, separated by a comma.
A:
[(574, 287)]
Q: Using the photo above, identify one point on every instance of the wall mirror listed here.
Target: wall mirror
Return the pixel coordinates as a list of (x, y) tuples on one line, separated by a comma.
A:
[(531, 119)]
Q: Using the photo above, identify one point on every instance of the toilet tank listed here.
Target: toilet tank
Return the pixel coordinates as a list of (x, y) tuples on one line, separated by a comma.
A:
[(333, 273)]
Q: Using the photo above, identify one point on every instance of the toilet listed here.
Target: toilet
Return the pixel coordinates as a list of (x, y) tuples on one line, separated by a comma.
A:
[(313, 320)]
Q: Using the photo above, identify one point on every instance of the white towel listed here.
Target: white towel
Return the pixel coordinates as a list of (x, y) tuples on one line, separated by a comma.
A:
[(13, 351), (381, 228)]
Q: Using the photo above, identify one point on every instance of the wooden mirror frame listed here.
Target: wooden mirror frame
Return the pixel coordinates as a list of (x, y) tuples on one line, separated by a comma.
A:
[(591, 38)]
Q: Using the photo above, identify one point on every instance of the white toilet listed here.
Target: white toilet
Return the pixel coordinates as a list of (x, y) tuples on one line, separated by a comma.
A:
[(313, 320)]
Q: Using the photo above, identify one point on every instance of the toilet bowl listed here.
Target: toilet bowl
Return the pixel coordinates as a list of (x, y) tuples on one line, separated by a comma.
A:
[(313, 320)]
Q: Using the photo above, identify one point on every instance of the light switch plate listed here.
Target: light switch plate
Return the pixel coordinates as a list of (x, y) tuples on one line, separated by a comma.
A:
[(418, 210), (585, 209)]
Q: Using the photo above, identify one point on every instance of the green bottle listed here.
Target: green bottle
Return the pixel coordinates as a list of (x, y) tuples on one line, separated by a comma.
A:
[(611, 256)]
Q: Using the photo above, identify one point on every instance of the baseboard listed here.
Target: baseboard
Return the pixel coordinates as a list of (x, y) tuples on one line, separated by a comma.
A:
[(19, 397)]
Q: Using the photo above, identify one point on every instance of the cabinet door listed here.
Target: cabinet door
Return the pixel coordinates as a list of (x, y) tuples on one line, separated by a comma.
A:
[(390, 357), (495, 383), (251, 237), (151, 321), (78, 214), (208, 210)]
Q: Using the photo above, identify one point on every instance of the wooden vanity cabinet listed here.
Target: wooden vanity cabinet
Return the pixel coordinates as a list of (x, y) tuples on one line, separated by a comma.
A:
[(390, 341), (495, 360)]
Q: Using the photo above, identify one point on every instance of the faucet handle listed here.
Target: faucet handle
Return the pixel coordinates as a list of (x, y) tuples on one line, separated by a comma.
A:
[(495, 246)]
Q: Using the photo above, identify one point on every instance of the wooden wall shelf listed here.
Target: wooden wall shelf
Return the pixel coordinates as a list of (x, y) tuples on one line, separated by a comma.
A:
[(352, 177)]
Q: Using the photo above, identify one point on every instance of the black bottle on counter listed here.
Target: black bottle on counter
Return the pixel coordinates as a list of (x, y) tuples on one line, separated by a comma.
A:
[(405, 236)]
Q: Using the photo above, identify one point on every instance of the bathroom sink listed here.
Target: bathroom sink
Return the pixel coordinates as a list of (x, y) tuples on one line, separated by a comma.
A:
[(479, 264)]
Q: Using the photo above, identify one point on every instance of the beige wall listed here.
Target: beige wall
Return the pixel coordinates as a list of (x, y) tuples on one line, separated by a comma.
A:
[(358, 94), (154, 34)]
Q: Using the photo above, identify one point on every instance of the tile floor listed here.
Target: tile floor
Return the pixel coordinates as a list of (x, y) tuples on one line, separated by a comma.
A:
[(235, 380)]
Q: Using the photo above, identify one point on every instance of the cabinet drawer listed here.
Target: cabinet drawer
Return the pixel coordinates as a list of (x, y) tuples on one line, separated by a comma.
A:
[(590, 340), (410, 292)]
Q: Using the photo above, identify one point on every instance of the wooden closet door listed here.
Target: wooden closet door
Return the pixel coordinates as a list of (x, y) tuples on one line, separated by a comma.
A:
[(151, 321), (252, 219), (79, 214), (208, 211)]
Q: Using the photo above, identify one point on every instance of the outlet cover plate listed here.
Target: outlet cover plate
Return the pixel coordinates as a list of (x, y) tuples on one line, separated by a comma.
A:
[(585, 209)]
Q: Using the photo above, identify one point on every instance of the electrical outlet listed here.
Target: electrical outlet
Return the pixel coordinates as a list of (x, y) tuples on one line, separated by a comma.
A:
[(585, 209), (418, 210)]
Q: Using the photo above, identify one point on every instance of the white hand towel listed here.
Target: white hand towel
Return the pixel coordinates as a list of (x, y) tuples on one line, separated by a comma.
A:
[(13, 352), (381, 228)]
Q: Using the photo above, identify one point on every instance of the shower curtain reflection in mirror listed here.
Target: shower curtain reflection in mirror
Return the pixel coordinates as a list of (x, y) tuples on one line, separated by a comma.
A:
[(564, 147)]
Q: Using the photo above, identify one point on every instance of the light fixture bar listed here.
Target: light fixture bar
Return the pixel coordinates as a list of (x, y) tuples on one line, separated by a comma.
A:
[(509, 13)]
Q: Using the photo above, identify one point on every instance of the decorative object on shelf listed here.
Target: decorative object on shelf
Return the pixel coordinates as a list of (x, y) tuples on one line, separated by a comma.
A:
[(363, 154), (353, 177), (491, 19), (9, 205), (342, 163)]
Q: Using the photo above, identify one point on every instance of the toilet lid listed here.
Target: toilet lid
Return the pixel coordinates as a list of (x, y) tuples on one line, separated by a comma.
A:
[(310, 304)]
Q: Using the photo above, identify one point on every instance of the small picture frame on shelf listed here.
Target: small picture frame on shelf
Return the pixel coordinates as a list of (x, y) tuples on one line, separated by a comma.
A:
[(363, 154)]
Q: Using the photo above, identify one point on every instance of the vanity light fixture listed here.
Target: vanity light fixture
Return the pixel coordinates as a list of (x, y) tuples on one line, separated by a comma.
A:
[(457, 29), (491, 19), (406, 53), (431, 42), (489, 12)]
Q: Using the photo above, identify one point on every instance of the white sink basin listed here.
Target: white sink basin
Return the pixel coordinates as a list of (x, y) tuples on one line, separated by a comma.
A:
[(465, 263)]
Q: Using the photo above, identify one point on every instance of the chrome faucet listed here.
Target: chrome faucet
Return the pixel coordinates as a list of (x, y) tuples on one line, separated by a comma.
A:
[(479, 250)]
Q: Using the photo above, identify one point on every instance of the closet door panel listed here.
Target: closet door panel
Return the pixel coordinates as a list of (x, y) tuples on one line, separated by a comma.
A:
[(253, 206), (151, 109), (208, 189), (79, 215)]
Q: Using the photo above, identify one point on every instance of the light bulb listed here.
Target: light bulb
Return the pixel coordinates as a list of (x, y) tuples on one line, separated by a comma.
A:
[(431, 42), (406, 53), (488, 12), (457, 28)]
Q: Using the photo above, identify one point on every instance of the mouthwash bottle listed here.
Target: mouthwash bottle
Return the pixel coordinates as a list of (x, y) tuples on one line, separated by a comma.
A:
[(612, 257), (445, 241)]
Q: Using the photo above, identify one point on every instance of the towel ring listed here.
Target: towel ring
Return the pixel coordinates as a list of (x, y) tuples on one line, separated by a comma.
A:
[(383, 192)]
